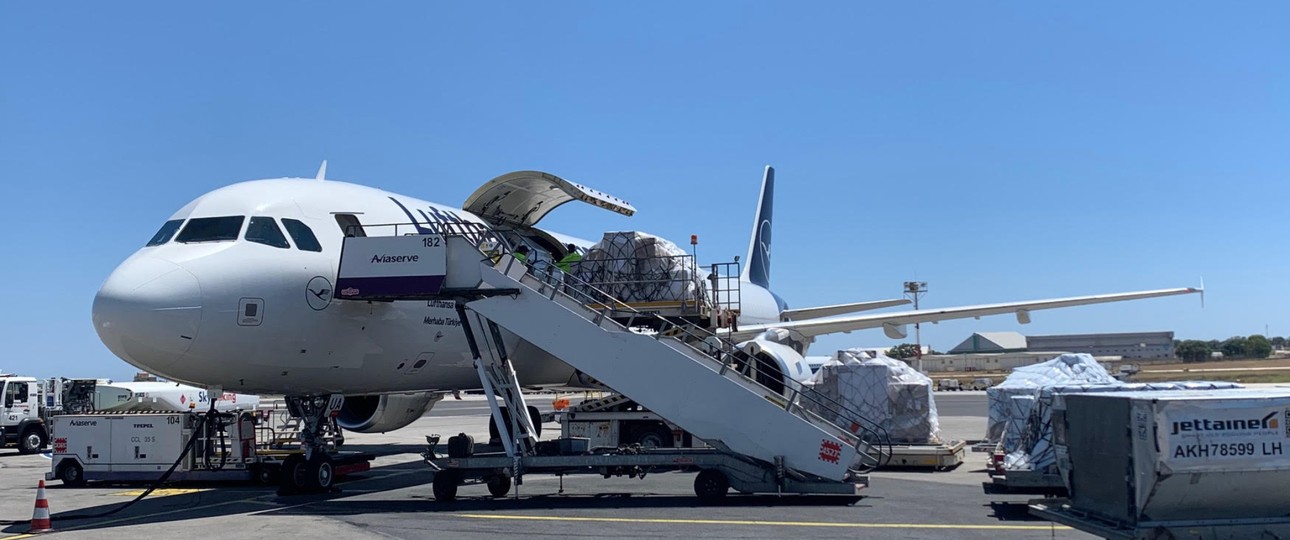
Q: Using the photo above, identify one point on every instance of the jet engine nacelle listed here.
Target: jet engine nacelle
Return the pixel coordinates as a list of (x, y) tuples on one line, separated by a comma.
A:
[(378, 414), (774, 364)]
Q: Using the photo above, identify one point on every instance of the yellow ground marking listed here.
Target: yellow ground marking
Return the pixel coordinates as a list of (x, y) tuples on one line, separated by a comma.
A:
[(161, 492), (254, 499), (771, 523), (97, 524)]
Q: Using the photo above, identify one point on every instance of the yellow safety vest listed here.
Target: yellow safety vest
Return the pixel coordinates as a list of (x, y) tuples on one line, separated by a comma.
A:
[(567, 262)]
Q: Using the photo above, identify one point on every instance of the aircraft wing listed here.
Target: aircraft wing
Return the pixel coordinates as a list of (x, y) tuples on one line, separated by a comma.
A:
[(893, 323), (840, 309)]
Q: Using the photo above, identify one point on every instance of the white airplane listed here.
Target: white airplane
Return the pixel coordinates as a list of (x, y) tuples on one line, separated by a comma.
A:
[(235, 291)]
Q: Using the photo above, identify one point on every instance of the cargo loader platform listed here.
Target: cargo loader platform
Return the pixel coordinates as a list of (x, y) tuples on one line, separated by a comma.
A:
[(940, 457)]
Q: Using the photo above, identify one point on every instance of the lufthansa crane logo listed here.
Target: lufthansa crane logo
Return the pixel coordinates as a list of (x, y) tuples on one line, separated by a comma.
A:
[(318, 293)]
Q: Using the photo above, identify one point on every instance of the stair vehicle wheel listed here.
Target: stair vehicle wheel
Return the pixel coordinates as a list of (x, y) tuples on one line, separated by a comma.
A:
[(445, 486), (321, 472), (32, 440), (499, 485), (651, 435), (711, 485), (72, 474)]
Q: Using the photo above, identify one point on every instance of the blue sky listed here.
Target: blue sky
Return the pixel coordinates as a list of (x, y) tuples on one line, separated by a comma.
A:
[(998, 151)]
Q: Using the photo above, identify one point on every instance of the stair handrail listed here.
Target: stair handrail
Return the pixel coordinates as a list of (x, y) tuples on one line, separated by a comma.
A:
[(477, 233), (878, 438)]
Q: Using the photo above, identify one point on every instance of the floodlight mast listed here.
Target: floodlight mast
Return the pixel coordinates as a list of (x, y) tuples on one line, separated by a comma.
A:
[(915, 290)]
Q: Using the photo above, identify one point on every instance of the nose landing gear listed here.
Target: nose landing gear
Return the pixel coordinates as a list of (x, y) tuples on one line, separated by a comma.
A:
[(312, 470)]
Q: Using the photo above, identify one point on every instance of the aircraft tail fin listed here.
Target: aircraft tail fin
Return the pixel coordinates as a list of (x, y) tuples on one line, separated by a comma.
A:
[(757, 266)]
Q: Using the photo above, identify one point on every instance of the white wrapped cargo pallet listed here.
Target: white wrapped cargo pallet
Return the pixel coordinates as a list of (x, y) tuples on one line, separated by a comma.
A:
[(1018, 414), (884, 390), (1066, 369)]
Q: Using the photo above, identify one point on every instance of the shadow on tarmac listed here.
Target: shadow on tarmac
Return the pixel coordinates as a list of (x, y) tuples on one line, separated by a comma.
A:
[(241, 498), (1012, 511)]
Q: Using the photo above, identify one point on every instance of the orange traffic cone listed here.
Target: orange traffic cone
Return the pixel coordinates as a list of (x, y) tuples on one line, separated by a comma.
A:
[(40, 515)]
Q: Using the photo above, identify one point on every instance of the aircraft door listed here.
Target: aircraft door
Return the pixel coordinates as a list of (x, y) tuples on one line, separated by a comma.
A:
[(350, 226)]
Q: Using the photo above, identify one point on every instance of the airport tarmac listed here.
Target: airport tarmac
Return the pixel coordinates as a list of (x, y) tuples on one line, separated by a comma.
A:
[(394, 500)]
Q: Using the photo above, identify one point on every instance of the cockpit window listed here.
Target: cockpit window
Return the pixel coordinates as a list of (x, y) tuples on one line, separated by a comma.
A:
[(263, 230), (213, 229), (167, 231), (302, 235)]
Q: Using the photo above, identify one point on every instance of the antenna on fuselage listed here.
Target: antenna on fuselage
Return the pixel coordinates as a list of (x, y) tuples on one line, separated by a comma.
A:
[(322, 172)]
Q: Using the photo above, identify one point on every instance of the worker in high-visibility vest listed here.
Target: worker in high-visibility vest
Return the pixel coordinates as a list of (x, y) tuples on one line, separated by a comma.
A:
[(569, 260), (522, 254)]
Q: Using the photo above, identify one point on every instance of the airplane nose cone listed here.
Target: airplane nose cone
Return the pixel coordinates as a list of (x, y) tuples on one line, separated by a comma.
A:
[(148, 312)]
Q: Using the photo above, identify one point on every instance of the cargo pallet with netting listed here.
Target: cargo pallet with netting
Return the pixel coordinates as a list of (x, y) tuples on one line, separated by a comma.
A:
[(651, 275)]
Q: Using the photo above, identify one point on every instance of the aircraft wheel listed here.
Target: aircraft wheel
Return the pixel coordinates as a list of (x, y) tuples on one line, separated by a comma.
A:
[(321, 472), (711, 485), (295, 473), (534, 413), (445, 486), (499, 485)]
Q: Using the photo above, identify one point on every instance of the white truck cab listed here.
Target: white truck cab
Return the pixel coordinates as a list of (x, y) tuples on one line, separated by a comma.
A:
[(20, 420)]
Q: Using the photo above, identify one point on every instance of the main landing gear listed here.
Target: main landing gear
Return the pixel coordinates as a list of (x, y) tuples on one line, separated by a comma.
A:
[(312, 470)]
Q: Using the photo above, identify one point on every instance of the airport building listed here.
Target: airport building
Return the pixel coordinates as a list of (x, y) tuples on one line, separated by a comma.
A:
[(985, 361), (1133, 345), (996, 351)]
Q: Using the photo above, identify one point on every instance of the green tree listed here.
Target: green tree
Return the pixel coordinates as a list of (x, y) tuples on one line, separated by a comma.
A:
[(1234, 347), (903, 351), (1278, 341), (1193, 350), (1257, 346)]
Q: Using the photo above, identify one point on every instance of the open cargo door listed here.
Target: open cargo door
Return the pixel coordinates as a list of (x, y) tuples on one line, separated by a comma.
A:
[(525, 197)]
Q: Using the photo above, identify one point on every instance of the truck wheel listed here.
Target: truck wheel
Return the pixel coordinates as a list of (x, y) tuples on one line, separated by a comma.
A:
[(499, 485), (321, 473), (711, 485), (266, 475), (651, 435), (72, 474), (445, 486), (32, 441)]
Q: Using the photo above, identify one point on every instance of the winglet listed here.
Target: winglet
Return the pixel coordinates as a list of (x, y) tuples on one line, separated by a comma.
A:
[(322, 172), (1202, 293)]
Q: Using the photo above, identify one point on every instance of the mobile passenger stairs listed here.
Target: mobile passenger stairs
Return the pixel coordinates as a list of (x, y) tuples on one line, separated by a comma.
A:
[(762, 441)]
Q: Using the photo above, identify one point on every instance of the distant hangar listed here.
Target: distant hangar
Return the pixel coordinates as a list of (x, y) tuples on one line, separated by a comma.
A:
[(983, 351)]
